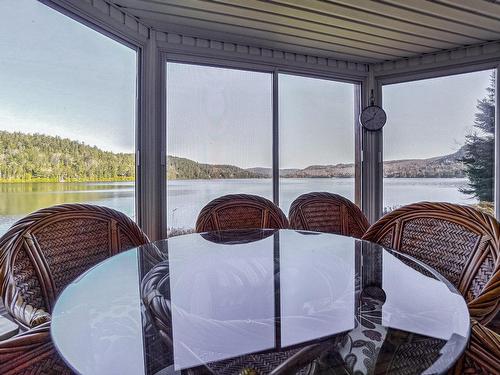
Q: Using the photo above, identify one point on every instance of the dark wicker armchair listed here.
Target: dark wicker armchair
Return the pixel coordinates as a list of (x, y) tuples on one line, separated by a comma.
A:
[(240, 211), (327, 212), (460, 242), (39, 256)]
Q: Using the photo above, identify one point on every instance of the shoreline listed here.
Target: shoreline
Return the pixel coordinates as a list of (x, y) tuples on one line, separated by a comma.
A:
[(130, 179), (70, 180)]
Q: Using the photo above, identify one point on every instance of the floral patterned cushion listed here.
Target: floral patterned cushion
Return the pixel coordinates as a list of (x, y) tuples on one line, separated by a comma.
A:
[(359, 349)]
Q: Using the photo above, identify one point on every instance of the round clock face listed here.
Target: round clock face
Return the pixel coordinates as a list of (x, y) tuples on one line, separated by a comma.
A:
[(373, 117)]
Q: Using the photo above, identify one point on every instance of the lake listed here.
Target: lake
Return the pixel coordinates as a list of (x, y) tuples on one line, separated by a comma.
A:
[(187, 197)]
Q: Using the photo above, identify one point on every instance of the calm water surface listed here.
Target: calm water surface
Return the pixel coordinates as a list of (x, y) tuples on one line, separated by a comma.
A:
[(187, 197)]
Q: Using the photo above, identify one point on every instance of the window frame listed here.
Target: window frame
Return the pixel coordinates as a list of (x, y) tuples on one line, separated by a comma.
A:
[(152, 49), (139, 44), (167, 57), (439, 72)]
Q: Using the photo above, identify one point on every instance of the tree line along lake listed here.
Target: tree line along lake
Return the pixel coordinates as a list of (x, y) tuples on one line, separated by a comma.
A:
[(39, 171)]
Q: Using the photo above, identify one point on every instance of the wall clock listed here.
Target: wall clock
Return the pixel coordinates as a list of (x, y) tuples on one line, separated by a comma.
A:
[(373, 117)]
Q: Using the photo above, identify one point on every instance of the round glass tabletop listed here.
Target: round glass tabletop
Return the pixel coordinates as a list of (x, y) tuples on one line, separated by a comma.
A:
[(259, 302)]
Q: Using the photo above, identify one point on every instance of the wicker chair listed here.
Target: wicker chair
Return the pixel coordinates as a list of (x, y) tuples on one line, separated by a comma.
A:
[(240, 211), (39, 256), (482, 356), (327, 212), (460, 242)]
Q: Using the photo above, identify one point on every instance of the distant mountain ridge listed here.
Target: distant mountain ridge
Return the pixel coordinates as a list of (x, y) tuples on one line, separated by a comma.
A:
[(439, 166), (268, 172)]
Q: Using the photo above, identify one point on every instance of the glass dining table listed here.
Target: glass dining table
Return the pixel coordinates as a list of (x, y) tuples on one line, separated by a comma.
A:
[(260, 302)]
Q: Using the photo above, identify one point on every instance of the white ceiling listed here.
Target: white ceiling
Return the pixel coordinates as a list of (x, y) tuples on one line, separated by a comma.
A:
[(356, 30)]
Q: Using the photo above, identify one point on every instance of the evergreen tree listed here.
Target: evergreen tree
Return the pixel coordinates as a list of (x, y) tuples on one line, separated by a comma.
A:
[(479, 149)]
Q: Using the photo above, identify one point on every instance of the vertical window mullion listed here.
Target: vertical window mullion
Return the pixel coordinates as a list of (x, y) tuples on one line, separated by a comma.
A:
[(276, 164), (162, 129), (357, 146), (496, 185)]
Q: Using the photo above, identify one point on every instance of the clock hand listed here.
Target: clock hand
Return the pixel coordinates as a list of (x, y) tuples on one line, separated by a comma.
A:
[(371, 118)]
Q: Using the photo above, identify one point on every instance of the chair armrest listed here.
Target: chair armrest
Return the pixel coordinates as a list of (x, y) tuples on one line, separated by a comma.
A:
[(29, 338), (31, 352), (27, 315), (485, 307), (25, 350), (484, 347), (483, 353)]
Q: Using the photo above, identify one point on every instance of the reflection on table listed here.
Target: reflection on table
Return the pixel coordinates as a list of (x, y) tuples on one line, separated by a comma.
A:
[(266, 301)]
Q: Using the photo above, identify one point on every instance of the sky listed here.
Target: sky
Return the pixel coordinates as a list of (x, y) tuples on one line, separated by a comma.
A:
[(431, 117), (229, 114), (220, 116), (316, 121), (59, 77)]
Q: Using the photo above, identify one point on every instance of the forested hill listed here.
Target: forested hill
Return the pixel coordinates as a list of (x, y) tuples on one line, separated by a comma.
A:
[(182, 168), (35, 157), (42, 157)]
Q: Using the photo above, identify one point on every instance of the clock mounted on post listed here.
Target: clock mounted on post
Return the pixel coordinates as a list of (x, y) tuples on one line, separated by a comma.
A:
[(373, 117)]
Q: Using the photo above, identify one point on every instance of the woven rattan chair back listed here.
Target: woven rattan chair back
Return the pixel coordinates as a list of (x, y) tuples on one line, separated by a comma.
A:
[(460, 242), (327, 212), (240, 211), (46, 250)]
